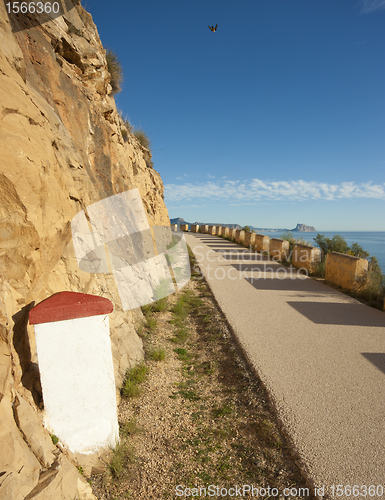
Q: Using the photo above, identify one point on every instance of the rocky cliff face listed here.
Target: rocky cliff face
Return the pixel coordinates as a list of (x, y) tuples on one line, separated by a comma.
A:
[(61, 149)]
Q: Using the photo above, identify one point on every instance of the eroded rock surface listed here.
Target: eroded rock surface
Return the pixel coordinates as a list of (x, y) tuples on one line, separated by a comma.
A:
[(61, 149)]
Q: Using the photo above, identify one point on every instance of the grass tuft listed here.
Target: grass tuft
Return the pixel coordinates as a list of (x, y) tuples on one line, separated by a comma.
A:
[(121, 455), (188, 392), (135, 376), (221, 412), (143, 138), (160, 305), (151, 324), (183, 354), (114, 67), (130, 428), (157, 354), (180, 336)]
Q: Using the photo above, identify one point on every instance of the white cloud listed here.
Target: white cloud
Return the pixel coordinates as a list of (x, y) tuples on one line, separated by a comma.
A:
[(211, 176), (256, 190), (180, 178), (371, 5)]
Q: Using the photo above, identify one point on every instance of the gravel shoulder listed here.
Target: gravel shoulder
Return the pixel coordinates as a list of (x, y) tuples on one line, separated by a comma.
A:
[(202, 419)]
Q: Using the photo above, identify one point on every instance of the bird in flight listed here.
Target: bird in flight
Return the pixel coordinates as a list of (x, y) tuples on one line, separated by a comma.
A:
[(213, 28)]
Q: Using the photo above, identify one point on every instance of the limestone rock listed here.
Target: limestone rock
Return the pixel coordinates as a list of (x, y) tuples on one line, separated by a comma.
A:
[(31, 425), (5, 364), (304, 228), (91, 464), (19, 466), (61, 481), (61, 149)]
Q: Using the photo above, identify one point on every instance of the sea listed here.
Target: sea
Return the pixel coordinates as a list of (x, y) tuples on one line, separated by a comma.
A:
[(371, 241)]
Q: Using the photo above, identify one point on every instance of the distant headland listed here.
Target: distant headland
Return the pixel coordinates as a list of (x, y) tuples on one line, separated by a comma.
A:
[(298, 227), (304, 228)]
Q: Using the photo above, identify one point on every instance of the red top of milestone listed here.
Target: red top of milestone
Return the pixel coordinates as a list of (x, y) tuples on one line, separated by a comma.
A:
[(69, 305)]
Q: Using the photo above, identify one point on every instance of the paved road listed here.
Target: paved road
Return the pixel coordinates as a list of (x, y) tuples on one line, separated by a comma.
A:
[(320, 354)]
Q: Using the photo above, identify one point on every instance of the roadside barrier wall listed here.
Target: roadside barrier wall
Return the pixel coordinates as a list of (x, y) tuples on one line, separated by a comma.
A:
[(305, 256), (249, 239), (262, 243), (346, 271), (232, 234), (279, 249), (239, 236)]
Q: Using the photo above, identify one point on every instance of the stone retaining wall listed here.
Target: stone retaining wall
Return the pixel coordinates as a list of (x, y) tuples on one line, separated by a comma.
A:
[(262, 243), (279, 249), (305, 257), (249, 239), (232, 232), (239, 236), (346, 271)]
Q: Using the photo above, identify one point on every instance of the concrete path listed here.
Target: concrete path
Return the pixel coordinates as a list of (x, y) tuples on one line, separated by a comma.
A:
[(320, 354)]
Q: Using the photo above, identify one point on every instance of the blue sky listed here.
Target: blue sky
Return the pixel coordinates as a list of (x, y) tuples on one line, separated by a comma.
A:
[(276, 118)]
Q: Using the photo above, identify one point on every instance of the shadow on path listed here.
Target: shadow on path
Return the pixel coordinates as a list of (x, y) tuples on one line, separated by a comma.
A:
[(234, 245), (376, 358), (339, 313), (287, 284)]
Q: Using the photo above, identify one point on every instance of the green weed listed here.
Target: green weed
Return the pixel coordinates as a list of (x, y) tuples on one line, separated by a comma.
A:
[(162, 290), (122, 454), (221, 412), (183, 354), (160, 305), (267, 430), (180, 336), (140, 331), (151, 324), (130, 428), (142, 138), (135, 376), (157, 354), (147, 309), (188, 392), (114, 67)]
